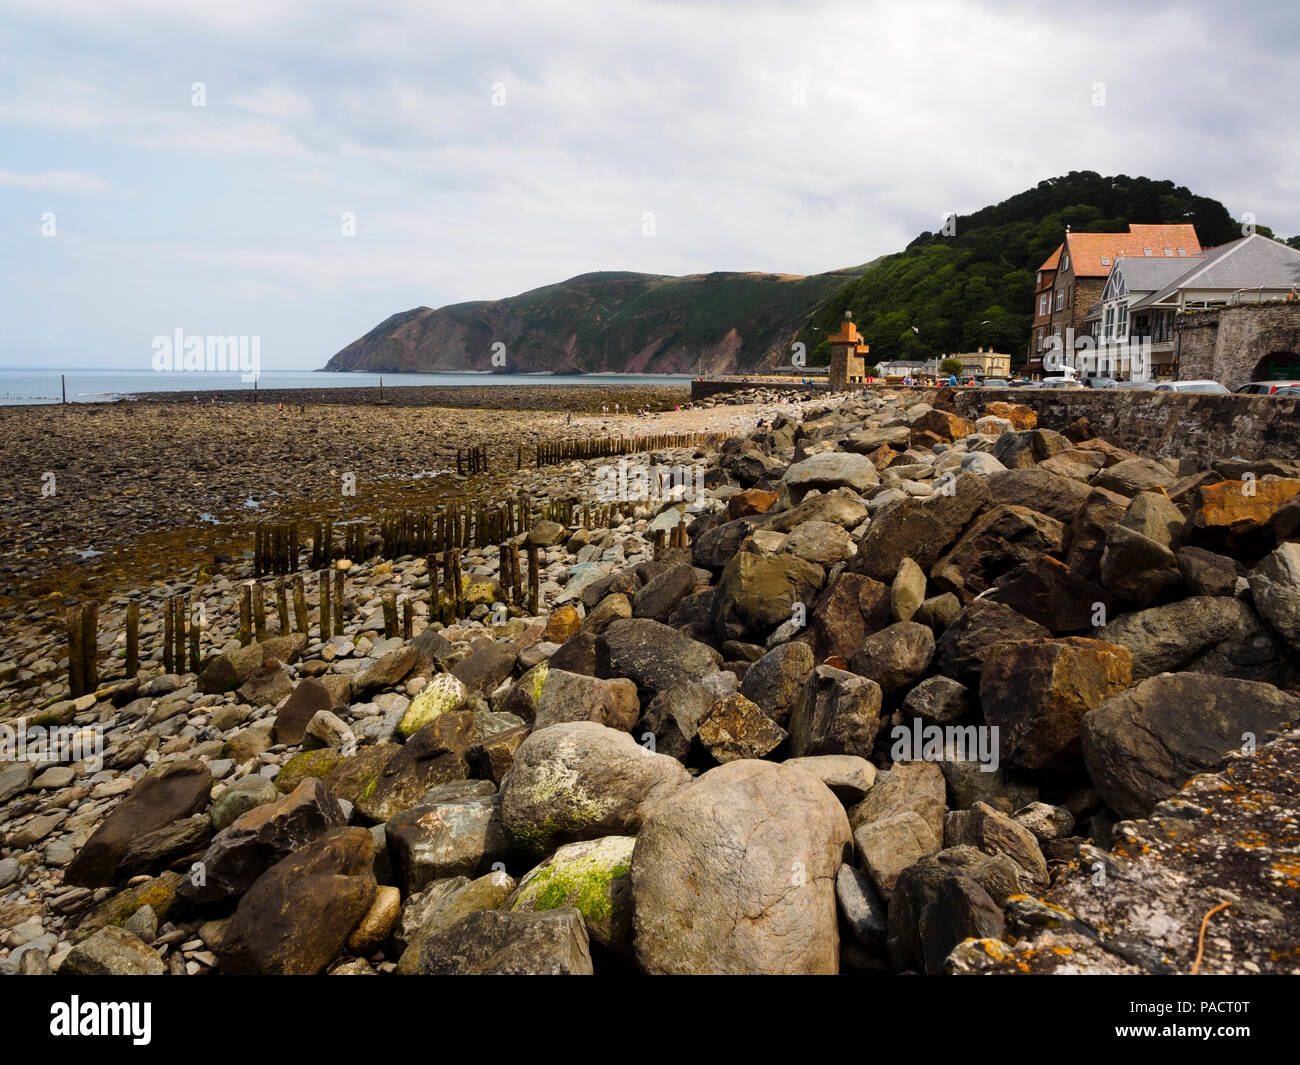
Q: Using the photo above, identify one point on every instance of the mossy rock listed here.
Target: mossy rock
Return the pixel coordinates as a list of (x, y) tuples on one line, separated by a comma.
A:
[(442, 694), (485, 592), (355, 778), (594, 877), (319, 763), (159, 894)]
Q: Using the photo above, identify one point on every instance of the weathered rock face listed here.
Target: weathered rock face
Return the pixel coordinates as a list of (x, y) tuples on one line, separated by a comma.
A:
[(776, 680), (736, 874), (1275, 586), (993, 832), (486, 666), (965, 644), (834, 469), (1237, 515), (997, 541), (299, 914), (494, 943), (889, 845), (837, 713), (173, 791), (658, 598), (1036, 489), (1050, 593), (913, 786), (1029, 447), (736, 728), (230, 669), (436, 754), (896, 656), (573, 697), (458, 832), (921, 530), (939, 700), (1142, 745), (652, 655), (113, 951), (1200, 634), (756, 593), (1202, 848), (582, 781), (850, 609), (1137, 568), (1037, 692), (263, 836)]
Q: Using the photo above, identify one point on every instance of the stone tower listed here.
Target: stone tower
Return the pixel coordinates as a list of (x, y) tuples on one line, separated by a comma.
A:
[(848, 362)]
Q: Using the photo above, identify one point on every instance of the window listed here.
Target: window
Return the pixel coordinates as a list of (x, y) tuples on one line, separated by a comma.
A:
[(1042, 304), (1065, 263), (1110, 318), (1169, 253), (1182, 251), (1105, 260), (1038, 278), (1146, 251), (1121, 326), (1060, 299)]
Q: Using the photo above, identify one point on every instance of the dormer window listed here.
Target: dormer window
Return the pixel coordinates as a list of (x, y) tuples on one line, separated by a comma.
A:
[(1182, 251), (1169, 253), (1146, 251), (1105, 260)]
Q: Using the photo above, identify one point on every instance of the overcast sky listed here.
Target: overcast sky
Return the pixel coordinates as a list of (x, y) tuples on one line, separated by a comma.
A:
[(487, 148)]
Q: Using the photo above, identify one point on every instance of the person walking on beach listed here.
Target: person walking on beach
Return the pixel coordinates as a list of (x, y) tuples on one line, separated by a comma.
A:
[(568, 417)]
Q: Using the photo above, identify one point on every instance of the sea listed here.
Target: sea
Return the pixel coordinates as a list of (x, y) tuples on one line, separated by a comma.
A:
[(97, 386)]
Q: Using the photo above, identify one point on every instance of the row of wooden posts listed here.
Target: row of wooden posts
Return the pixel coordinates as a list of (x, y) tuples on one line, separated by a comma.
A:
[(598, 447), (471, 459), (184, 618)]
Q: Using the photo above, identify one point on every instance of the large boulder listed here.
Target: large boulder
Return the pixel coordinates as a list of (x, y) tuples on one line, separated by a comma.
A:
[(832, 469), (652, 655), (1142, 745), (1238, 515), (1049, 592), (1132, 476), (919, 529), (915, 786), (965, 644), (776, 680), (593, 877), (573, 697), (1203, 634), (170, 792), (837, 713), (1136, 567), (756, 593), (266, 834), (496, 943), (1275, 586), (436, 754), (1000, 539), (851, 608), (895, 656), (661, 594), (308, 698), (456, 832), (1037, 692), (582, 781), (1048, 493), (486, 666), (230, 669), (297, 917), (736, 872)]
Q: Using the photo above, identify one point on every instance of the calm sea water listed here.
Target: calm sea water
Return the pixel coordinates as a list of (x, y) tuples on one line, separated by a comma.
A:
[(94, 386)]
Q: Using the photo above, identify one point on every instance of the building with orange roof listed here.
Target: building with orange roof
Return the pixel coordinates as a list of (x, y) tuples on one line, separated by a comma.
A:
[(1080, 266), (848, 356)]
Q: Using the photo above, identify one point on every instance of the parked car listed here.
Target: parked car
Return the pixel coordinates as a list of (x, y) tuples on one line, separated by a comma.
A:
[(1099, 382), (1212, 387), (1060, 382), (1021, 382), (1265, 388), (995, 382), (1289, 390), (1144, 386)]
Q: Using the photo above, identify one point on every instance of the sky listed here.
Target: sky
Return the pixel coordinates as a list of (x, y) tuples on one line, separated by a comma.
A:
[(299, 170)]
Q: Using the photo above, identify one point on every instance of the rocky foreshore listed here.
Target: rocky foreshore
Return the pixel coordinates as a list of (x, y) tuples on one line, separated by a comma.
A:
[(893, 692)]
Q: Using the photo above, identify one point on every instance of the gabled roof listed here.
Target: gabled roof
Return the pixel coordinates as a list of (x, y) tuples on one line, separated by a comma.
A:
[(1053, 260), (1148, 274), (1087, 249), (1252, 262)]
